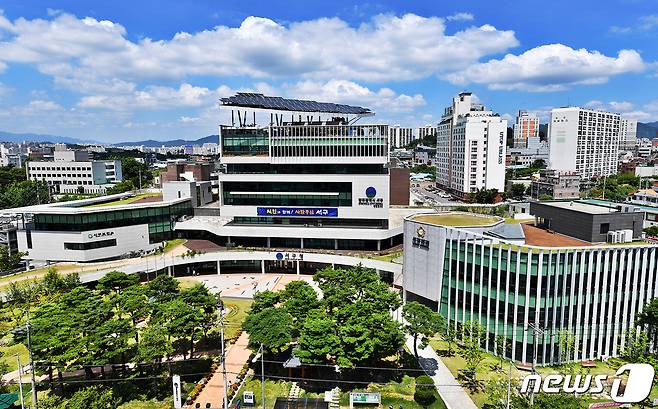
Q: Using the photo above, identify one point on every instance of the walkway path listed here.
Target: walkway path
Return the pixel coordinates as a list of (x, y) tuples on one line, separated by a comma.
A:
[(452, 393), (236, 356)]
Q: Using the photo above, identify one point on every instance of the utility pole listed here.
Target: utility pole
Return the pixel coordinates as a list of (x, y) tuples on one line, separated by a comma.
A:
[(29, 349), (536, 331), (262, 374), (220, 306), (20, 380)]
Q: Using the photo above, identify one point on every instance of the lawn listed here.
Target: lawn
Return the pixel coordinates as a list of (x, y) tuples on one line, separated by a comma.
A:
[(8, 355), (490, 370), (125, 201), (387, 257), (393, 393), (455, 219), (236, 315)]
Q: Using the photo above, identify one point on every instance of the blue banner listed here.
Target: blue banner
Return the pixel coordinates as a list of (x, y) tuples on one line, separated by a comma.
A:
[(298, 211)]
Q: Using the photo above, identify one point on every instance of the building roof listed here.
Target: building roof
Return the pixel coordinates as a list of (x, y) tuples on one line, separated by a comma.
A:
[(507, 231), (535, 236), (251, 100), (581, 207)]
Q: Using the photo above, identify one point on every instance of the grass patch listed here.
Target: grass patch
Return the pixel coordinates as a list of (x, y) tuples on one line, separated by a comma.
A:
[(455, 219), (8, 356), (511, 220), (172, 244), (396, 394), (387, 257), (125, 201), (239, 308), (148, 404)]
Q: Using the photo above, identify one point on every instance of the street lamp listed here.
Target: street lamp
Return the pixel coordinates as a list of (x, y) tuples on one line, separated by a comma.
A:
[(261, 354), (20, 379), (220, 308)]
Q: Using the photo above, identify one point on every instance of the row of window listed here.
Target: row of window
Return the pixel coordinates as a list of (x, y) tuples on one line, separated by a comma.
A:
[(91, 245)]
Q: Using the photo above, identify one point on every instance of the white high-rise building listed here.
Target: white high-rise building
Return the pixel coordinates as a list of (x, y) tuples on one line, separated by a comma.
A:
[(400, 137), (627, 134), (470, 147), (426, 130), (584, 140), (526, 130)]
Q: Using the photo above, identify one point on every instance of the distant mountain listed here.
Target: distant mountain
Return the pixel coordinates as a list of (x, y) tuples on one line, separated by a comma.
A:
[(648, 130), (176, 142), (32, 137)]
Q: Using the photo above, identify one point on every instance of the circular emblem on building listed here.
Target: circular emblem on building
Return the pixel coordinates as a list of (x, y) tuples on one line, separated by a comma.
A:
[(371, 192), (420, 232), (279, 256)]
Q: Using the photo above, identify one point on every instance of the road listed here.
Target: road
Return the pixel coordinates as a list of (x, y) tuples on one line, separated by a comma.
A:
[(430, 197)]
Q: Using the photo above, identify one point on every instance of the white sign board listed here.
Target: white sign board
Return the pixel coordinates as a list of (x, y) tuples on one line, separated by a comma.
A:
[(248, 398), (175, 380), (364, 397)]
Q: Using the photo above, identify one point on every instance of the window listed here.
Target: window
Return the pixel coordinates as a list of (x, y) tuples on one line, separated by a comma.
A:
[(604, 228), (90, 246)]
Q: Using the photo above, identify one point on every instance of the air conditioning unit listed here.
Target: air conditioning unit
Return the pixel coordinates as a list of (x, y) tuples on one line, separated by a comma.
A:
[(613, 237), (626, 236)]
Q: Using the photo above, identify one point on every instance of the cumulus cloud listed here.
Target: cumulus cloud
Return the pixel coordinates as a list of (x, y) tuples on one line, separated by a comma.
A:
[(152, 97), (647, 112), (553, 67), (460, 17), (348, 92), (387, 47)]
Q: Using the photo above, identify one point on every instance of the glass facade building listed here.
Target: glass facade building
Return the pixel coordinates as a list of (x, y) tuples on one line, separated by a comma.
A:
[(583, 300)]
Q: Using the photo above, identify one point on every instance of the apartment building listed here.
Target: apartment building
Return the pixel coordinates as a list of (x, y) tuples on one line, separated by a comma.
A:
[(627, 134), (585, 141), (75, 172), (400, 137), (471, 145), (526, 130), (426, 130)]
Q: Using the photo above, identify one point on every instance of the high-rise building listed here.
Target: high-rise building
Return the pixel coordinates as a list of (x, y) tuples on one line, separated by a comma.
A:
[(526, 130), (627, 134), (426, 130), (400, 137), (470, 148), (584, 140)]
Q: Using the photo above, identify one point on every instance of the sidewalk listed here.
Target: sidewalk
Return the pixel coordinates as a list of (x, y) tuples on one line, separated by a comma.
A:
[(236, 356), (449, 389)]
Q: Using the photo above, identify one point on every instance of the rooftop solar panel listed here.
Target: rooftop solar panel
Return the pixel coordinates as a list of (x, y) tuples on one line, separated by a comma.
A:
[(252, 100)]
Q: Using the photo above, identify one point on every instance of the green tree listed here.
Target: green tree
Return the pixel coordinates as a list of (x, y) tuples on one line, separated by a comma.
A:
[(120, 187), (472, 335), (648, 319), (132, 169), (517, 190), (549, 401), (566, 342), (93, 397), (133, 303), (450, 336), (181, 320), (263, 300), (24, 193), (318, 341), (11, 261), (163, 288), (271, 327), (116, 281), (496, 391), (422, 323), (154, 344), (502, 346), (299, 299), (636, 345)]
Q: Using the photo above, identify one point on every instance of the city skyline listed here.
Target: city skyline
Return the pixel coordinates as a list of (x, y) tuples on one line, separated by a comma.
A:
[(108, 73)]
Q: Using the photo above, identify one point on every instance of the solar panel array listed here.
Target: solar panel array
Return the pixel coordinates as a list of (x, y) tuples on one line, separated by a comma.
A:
[(252, 100)]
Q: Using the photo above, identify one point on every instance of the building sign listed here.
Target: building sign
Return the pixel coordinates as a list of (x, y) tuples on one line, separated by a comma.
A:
[(364, 397), (100, 234), (290, 256), (371, 198), (298, 211), (419, 240), (175, 380)]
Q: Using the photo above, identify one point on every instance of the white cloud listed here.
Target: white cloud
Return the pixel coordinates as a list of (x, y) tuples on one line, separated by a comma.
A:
[(644, 23), (460, 17), (553, 67), (385, 48), (188, 119), (348, 92), (152, 97)]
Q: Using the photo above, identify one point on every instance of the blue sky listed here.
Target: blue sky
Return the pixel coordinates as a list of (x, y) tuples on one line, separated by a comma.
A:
[(113, 71)]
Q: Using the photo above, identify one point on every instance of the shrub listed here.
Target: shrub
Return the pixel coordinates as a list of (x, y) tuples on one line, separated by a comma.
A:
[(424, 394)]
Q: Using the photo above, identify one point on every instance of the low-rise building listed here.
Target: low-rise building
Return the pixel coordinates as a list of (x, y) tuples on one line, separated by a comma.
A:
[(558, 185), (75, 172)]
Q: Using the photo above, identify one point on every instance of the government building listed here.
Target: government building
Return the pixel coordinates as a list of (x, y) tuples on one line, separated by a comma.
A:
[(515, 277)]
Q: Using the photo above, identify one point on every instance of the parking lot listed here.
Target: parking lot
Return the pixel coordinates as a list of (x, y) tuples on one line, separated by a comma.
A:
[(425, 192)]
